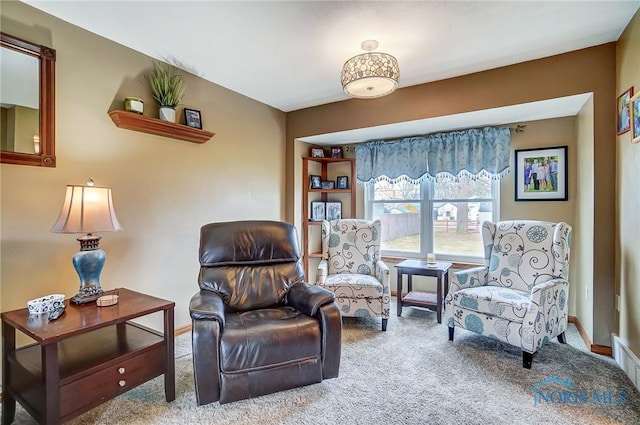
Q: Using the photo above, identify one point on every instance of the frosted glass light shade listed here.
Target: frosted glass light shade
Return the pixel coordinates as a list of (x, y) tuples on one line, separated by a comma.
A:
[(370, 75)]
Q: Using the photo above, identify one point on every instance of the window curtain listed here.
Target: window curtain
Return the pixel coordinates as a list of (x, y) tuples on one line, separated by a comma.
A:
[(474, 153)]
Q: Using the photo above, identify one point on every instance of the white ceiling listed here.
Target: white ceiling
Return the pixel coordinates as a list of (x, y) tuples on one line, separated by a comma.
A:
[(289, 54)]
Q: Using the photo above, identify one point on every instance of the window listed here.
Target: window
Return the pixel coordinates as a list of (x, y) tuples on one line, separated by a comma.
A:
[(439, 216)]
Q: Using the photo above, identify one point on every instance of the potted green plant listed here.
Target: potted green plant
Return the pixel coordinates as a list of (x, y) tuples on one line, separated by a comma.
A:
[(167, 88)]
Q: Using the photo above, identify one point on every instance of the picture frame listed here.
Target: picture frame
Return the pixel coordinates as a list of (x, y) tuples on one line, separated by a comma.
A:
[(336, 152), (192, 118), (315, 182), (333, 210), (317, 153), (342, 182), (634, 109), (535, 178), (317, 211), (623, 112), (328, 184)]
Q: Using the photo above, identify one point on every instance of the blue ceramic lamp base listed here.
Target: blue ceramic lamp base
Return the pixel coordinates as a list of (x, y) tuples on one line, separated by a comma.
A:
[(88, 263)]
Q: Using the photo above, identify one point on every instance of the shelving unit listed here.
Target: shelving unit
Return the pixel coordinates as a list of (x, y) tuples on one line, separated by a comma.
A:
[(137, 122), (327, 173)]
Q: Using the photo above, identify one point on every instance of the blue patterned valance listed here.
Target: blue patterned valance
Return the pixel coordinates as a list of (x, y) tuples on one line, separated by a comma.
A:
[(443, 155)]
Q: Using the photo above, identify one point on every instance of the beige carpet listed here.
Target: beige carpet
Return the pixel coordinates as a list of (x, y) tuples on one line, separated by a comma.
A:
[(409, 374)]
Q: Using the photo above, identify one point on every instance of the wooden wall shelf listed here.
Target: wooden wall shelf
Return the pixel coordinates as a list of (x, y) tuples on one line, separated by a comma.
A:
[(137, 122)]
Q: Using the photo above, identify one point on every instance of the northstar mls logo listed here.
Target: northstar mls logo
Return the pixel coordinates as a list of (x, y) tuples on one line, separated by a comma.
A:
[(568, 394)]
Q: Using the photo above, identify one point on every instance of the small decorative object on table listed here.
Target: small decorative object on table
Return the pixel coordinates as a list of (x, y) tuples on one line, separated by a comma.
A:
[(107, 300), (431, 259), (45, 304), (134, 104), (192, 118)]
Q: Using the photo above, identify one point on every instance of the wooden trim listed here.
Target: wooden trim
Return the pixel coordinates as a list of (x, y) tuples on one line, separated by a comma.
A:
[(182, 330), (594, 348)]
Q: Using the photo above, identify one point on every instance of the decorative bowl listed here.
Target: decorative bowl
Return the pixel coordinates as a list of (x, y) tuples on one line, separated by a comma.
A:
[(45, 304)]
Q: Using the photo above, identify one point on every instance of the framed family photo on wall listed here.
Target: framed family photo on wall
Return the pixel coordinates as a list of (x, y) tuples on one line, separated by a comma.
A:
[(634, 106), (541, 174), (623, 112)]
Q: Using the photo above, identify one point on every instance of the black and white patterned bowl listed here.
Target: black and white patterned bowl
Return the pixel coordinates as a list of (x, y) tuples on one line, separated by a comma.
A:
[(45, 304)]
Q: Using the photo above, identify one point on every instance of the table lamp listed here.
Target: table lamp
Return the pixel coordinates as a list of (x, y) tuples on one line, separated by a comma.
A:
[(87, 209)]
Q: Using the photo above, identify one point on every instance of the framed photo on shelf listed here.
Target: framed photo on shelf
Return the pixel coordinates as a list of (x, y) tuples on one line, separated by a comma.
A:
[(333, 210), (328, 184), (315, 182), (541, 174), (317, 153), (342, 182), (623, 112), (336, 152), (317, 211), (192, 118), (634, 107)]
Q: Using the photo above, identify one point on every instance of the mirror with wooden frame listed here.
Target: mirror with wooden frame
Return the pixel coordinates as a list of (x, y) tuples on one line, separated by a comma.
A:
[(27, 103)]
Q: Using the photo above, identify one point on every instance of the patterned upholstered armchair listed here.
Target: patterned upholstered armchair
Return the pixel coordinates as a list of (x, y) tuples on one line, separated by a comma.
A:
[(351, 268), (520, 295)]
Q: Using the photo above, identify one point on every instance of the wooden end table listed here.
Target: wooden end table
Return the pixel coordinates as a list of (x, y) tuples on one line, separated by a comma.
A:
[(89, 355), (423, 299)]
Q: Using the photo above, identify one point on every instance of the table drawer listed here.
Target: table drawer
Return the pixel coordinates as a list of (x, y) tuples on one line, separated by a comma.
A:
[(114, 379)]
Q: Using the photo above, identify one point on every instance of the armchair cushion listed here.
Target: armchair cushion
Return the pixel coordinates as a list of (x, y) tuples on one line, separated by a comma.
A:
[(354, 285), (510, 304)]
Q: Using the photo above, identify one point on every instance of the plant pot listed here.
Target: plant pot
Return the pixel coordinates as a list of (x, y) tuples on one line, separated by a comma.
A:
[(167, 114)]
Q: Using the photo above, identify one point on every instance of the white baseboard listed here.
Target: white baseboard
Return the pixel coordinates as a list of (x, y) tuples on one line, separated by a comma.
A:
[(628, 361)]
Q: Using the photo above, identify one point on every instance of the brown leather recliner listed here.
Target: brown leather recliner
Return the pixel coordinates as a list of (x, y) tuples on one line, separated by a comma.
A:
[(258, 328)]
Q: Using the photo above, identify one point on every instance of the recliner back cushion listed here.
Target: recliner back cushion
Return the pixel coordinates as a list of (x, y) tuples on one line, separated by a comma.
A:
[(251, 264), (524, 253)]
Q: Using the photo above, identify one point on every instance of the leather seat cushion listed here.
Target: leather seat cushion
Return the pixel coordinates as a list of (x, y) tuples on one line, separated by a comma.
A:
[(347, 285), (261, 338), (495, 301)]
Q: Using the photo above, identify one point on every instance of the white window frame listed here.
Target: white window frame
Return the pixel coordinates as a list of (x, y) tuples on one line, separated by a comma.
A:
[(426, 223)]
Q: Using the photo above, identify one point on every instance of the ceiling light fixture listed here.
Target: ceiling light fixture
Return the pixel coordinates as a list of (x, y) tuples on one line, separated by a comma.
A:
[(371, 74)]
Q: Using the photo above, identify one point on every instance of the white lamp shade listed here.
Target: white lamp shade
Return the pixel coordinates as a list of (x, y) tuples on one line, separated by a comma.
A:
[(370, 75), (87, 209)]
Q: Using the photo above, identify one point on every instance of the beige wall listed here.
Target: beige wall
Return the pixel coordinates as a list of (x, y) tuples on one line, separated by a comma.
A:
[(584, 71), (164, 190), (628, 196)]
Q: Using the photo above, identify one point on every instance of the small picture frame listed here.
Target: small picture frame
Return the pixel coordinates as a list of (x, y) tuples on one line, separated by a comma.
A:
[(342, 182), (192, 118), (333, 210), (634, 106), (315, 182), (317, 211), (317, 153), (336, 152), (328, 184), (541, 174), (623, 112)]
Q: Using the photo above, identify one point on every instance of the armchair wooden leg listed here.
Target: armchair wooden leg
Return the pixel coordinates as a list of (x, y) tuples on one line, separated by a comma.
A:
[(451, 329), (562, 339), (527, 359), (384, 324)]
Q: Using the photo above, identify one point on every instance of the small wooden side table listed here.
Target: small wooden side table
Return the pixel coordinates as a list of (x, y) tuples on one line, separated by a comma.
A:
[(89, 355), (423, 299)]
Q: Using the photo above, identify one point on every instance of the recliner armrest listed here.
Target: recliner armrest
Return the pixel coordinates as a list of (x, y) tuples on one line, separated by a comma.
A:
[(207, 305), (308, 298)]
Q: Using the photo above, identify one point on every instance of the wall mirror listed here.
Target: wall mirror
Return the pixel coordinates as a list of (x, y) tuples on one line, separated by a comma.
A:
[(27, 103)]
